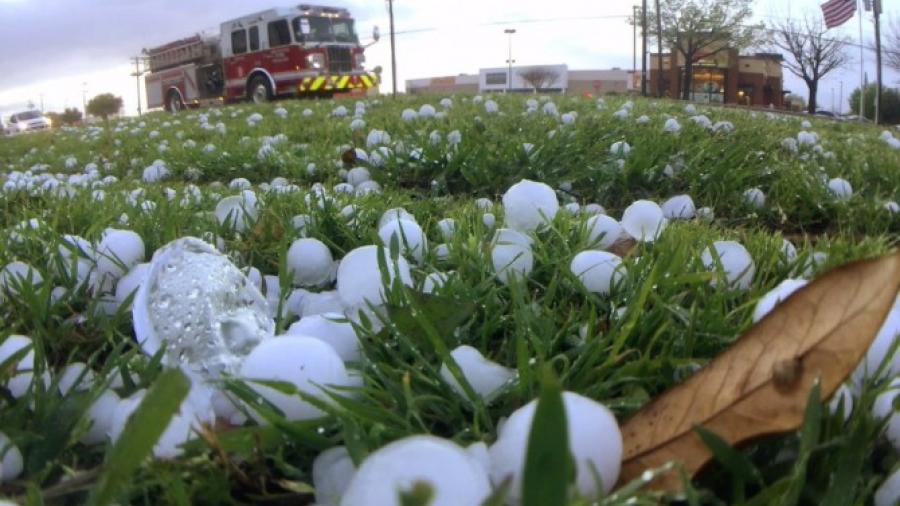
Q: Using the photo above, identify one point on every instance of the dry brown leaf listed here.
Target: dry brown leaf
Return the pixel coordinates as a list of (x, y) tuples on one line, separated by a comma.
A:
[(759, 386)]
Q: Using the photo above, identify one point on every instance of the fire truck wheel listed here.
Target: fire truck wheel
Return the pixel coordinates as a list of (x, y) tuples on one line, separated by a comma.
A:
[(174, 103), (259, 90)]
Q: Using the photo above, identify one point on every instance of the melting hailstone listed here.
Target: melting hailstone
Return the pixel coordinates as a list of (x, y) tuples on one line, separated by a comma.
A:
[(737, 264), (776, 296), (644, 220), (332, 471), (200, 308), (529, 205), (598, 271), (486, 377)]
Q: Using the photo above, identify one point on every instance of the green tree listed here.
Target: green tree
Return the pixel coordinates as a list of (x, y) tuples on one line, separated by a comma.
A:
[(890, 104), (70, 116), (104, 105), (697, 28)]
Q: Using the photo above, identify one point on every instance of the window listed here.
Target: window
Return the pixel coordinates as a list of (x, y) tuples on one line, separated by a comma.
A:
[(495, 78), (279, 33), (254, 38), (320, 29), (239, 41)]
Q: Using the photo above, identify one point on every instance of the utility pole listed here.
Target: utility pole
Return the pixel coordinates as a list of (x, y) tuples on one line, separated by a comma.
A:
[(393, 50), (84, 99), (634, 23), (644, 49), (659, 50), (877, 10), (42, 103), (841, 100), (137, 77), (510, 61)]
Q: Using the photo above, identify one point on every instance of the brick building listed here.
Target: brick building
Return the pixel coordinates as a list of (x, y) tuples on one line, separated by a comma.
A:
[(724, 77), (578, 82)]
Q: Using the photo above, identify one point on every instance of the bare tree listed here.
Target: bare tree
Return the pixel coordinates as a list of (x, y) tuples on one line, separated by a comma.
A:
[(699, 28), (539, 77), (810, 54), (892, 46)]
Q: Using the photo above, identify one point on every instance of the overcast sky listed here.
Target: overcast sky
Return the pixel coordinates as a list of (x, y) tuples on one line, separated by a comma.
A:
[(64, 49)]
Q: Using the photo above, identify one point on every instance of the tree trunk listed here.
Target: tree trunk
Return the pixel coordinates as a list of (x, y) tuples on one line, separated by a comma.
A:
[(813, 90), (688, 79)]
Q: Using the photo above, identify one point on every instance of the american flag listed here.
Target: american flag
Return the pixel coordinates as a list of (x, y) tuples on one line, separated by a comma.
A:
[(838, 12)]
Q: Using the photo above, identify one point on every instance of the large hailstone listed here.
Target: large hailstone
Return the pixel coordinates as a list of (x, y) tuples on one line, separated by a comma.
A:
[(20, 380), (307, 363), (200, 308), (309, 262), (598, 271), (679, 207), (603, 231), (237, 211), (881, 346), (100, 415), (455, 478), (529, 205), (117, 253), (888, 493), (16, 275), (644, 220), (755, 198), (332, 328), (11, 462), (737, 264), (409, 236), (840, 188), (359, 277), (776, 296), (487, 378), (332, 472), (511, 255), (595, 442)]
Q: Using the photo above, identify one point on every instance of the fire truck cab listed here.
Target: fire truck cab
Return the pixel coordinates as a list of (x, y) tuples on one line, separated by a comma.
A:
[(305, 50)]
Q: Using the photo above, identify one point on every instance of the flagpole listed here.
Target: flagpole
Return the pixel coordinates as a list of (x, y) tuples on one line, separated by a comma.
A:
[(862, 65)]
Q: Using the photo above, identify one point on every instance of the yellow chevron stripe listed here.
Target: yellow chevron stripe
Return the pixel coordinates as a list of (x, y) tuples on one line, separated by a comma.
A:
[(366, 80), (317, 83), (342, 83)]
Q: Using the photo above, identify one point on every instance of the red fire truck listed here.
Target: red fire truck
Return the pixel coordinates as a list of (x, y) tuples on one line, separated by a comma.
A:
[(307, 50)]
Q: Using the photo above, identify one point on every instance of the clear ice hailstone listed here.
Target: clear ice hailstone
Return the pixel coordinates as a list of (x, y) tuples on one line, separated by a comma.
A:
[(737, 264), (11, 462), (598, 271), (776, 296), (455, 478), (644, 221), (529, 205), (603, 231), (359, 277), (888, 493), (595, 442), (332, 471), (309, 262), (15, 275), (840, 188), (487, 378), (331, 328), (409, 236), (307, 363), (620, 148), (755, 198), (679, 207), (200, 308), (238, 211)]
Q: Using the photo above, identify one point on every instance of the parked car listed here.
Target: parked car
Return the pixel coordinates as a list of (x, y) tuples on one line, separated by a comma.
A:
[(27, 121)]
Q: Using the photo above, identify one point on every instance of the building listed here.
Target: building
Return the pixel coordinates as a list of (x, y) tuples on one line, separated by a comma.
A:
[(527, 79), (723, 77)]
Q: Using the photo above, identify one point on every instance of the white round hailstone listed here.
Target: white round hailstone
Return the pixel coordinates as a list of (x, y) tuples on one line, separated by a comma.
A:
[(892, 207), (15, 275), (358, 175), (755, 198), (237, 212), (332, 471), (240, 183), (595, 442), (75, 375), (644, 221), (529, 205), (672, 126), (620, 149), (435, 281), (320, 303), (408, 115), (129, 283), (775, 296), (309, 262), (447, 226), (489, 220), (706, 214), (572, 208), (843, 397), (593, 209), (20, 382), (409, 236), (679, 207), (737, 264), (396, 213), (487, 378), (788, 250), (72, 247), (11, 462), (331, 328), (426, 111), (455, 478), (510, 236), (603, 231), (305, 362), (840, 188), (101, 416), (598, 271), (359, 277), (367, 187), (377, 138), (878, 351), (227, 408), (888, 493), (884, 409), (200, 308), (302, 223), (484, 204), (511, 260)]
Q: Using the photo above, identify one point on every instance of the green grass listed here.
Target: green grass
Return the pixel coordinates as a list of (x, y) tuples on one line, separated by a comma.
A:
[(624, 349)]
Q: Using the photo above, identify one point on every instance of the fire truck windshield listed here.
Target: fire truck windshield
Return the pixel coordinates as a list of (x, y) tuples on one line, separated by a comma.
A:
[(323, 29)]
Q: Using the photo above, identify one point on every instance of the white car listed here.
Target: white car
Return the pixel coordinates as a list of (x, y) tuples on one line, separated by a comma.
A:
[(27, 121)]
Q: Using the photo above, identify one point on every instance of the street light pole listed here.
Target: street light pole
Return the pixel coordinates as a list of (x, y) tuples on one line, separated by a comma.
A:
[(137, 77), (84, 99), (393, 50), (510, 61)]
